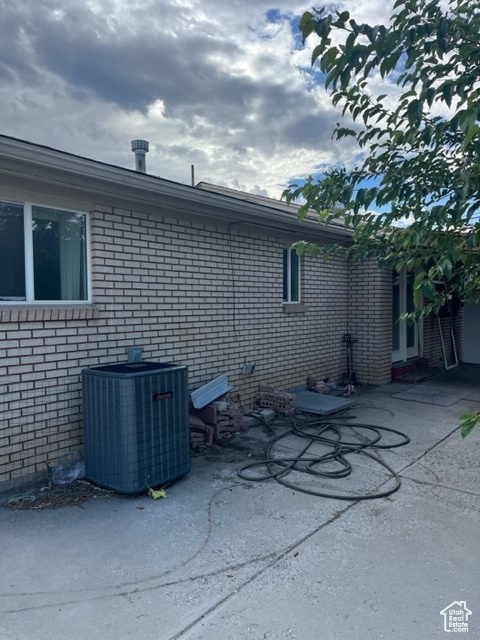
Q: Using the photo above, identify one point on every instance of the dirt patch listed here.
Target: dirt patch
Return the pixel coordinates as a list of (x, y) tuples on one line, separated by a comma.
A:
[(58, 496), (233, 449), (234, 453)]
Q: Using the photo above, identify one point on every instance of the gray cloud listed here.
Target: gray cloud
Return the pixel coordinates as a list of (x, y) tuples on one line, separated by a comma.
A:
[(128, 64), (210, 82)]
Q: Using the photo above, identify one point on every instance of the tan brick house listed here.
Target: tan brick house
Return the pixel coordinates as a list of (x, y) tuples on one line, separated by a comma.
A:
[(95, 259)]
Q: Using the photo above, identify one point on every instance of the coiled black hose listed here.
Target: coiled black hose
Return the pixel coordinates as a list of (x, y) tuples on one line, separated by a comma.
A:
[(364, 437)]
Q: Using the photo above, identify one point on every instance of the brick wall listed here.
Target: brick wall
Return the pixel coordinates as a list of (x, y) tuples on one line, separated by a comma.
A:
[(204, 296), (212, 298), (370, 321), (209, 297)]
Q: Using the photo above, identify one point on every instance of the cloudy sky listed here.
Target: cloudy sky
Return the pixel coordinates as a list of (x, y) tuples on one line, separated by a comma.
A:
[(225, 85)]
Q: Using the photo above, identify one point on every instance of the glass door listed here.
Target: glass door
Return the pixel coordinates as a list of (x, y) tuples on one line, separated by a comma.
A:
[(404, 336)]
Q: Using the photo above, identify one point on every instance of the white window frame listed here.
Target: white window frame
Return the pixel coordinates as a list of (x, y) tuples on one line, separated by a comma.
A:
[(288, 276), (28, 248)]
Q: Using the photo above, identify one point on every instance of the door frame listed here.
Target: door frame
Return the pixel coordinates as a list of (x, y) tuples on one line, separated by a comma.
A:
[(405, 352)]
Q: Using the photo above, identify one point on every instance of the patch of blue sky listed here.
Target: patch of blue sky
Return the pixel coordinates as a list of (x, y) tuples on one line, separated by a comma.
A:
[(274, 15), (367, 184)]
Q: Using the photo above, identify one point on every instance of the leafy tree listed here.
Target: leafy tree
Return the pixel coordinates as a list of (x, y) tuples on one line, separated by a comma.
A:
[(419, 140)]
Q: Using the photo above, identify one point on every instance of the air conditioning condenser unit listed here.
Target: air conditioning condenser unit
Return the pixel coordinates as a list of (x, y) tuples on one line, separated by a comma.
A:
[(136, 424)]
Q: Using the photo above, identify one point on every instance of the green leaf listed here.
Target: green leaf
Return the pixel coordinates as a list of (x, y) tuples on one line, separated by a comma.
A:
[(414, 112), (468, 426), (331, 78), (323, 215), (157, 493), (307, 29), (389, 63), (302, 212), (307, 16), (316, 53), (447, 91), (470, 134), (430, 94), (345, 78), (300, 247), (350, 41), (328, 59)]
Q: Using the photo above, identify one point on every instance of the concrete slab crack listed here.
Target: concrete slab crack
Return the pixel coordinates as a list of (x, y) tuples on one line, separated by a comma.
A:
[(252, 578)]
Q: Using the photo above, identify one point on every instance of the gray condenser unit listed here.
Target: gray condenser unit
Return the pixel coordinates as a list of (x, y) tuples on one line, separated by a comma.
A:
[(136, 424)]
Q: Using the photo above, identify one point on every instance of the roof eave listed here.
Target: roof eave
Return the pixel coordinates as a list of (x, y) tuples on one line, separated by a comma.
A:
[(59, 168)]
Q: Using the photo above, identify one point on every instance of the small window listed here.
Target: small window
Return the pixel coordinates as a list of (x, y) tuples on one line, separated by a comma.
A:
[(291, 276), (43, 254)]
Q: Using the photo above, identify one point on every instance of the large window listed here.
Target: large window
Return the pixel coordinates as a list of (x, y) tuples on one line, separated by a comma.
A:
[(43, 254), (291, 276)]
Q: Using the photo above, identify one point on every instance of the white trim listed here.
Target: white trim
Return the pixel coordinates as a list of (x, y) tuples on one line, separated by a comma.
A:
[(28, 249), (88, 257), (288, 275), (28, 257), (404, 353)]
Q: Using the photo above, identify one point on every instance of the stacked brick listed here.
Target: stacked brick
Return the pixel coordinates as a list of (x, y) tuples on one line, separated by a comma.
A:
[(214, 422), (279, 401), (200, 432)]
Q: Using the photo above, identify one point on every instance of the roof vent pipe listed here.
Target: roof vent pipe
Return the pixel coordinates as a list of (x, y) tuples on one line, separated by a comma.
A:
[(140, 149)]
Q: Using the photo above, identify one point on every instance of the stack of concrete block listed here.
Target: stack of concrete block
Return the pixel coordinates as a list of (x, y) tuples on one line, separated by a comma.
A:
[(268, 397)]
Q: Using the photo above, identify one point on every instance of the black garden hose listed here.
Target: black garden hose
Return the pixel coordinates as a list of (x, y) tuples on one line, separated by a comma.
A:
[(332, 434)]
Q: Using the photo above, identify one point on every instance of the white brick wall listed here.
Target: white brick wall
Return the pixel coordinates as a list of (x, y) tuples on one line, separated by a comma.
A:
[(204, 296), (370, 321)]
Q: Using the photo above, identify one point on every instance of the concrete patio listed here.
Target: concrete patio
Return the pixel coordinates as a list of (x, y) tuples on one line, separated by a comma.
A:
[(222, 558)]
